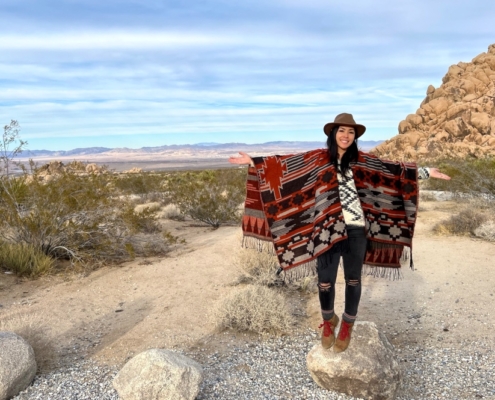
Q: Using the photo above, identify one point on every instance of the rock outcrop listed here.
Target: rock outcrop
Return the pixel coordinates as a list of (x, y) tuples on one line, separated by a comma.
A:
[(455, 120), (17, 365), (367, 369), (134, 170), (160, 375), (54, 169)]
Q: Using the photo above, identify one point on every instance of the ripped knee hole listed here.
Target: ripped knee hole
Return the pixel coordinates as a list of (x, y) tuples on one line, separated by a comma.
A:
[(324, 287)]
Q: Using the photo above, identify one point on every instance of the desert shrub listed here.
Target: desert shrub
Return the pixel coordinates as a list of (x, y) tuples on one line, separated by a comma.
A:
[(24, 259), (259, 268), (141, 220), (159, 197), (143, 183), (210, 196), (472, 176), (73, 216), (171, 211), (464, 223), (66, 214), (256, 309), (31, 328)]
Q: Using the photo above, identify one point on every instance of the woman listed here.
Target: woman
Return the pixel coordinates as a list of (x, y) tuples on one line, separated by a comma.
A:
[(338, 202)]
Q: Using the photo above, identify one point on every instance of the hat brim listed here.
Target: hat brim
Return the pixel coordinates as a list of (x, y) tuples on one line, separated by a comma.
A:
[(360, 129)]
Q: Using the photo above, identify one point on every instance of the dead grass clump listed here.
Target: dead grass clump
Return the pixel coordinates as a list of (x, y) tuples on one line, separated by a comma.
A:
[(259, 268), (153, 206), (31, 329), (171, 211), (25, 260), (486, 231), (464, 223), (422, 208), (426, 196), (151, 244), (255, 309)]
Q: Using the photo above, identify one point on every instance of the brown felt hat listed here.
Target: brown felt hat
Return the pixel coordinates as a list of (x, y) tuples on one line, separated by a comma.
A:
[(346, 120)]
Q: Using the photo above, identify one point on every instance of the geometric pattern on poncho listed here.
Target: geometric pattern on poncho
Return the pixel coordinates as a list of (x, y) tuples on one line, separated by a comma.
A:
[(294, 202)]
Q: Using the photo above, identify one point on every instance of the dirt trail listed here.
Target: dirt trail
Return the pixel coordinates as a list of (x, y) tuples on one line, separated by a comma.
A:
[(116, 312)]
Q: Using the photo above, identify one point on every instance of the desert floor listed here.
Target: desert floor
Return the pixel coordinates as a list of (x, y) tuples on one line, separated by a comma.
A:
[(116, 312)]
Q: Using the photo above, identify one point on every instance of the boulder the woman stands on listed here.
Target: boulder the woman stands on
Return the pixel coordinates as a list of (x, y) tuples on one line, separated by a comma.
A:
[(319, 206)]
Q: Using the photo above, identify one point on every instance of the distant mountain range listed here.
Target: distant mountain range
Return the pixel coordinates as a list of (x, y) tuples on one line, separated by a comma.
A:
[(207, 150)]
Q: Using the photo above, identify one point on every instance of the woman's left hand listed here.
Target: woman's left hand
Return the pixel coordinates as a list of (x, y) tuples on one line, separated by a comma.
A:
[(435, 173)]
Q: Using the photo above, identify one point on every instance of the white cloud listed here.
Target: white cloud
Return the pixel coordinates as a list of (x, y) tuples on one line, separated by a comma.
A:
[(250, 69), (104, 40)]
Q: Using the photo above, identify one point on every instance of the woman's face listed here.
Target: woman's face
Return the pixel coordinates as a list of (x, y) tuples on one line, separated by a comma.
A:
[(344, 137)]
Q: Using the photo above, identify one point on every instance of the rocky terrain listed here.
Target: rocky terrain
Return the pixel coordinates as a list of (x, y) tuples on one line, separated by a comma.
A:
[(439, 318), (454, 120)]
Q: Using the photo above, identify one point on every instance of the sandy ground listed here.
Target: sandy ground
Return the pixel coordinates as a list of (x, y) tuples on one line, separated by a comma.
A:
[(114, 313)]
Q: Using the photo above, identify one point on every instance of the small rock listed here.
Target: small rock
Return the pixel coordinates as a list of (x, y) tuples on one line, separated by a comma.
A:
[(159, 375)]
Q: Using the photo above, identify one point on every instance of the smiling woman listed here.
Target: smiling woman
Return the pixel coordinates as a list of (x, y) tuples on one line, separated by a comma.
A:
[(324, 205)]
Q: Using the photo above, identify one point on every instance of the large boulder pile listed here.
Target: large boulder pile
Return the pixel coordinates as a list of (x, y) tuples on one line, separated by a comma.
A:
[(55, 169), (455, 120), (134, 170)]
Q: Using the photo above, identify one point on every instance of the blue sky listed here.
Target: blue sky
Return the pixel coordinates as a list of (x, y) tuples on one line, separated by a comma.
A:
[(134, 73)]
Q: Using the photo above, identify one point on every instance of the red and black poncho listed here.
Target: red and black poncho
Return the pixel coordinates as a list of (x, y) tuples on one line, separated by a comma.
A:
[(293, 202)]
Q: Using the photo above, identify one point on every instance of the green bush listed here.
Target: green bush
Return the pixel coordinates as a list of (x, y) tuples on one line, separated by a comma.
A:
[(142, 221), (148, 185), (72, 212), (211, 196), (24, 260), (471, 176), (74, 216)]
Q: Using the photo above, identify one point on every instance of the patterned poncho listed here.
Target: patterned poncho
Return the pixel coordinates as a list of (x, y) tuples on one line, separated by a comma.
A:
[(293, 201)]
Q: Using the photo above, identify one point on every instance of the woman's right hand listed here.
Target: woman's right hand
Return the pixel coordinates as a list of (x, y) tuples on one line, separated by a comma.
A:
[(243, 159)]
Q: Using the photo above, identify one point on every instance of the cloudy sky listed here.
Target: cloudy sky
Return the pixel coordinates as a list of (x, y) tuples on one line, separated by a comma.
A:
[(134, 73)]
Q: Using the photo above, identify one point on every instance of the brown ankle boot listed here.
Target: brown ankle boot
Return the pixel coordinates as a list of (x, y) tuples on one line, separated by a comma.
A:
[(344, 337), (328, 336)]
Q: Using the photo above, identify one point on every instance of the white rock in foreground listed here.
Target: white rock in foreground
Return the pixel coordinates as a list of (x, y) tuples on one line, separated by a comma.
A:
[(159, 374), (17, 364), (367, 369)]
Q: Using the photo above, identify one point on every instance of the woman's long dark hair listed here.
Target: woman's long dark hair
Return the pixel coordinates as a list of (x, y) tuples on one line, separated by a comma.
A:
[(349, 156)]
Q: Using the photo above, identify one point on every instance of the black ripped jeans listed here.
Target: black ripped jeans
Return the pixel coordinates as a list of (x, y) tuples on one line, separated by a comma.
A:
[(353, 259)]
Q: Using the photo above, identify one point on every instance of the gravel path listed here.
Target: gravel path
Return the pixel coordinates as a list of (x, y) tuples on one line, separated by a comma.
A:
[(276, 369)]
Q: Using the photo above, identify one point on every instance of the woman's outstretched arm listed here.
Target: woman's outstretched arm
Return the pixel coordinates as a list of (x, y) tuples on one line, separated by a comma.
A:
[(243, 159), (435, 173), (425, 173)]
